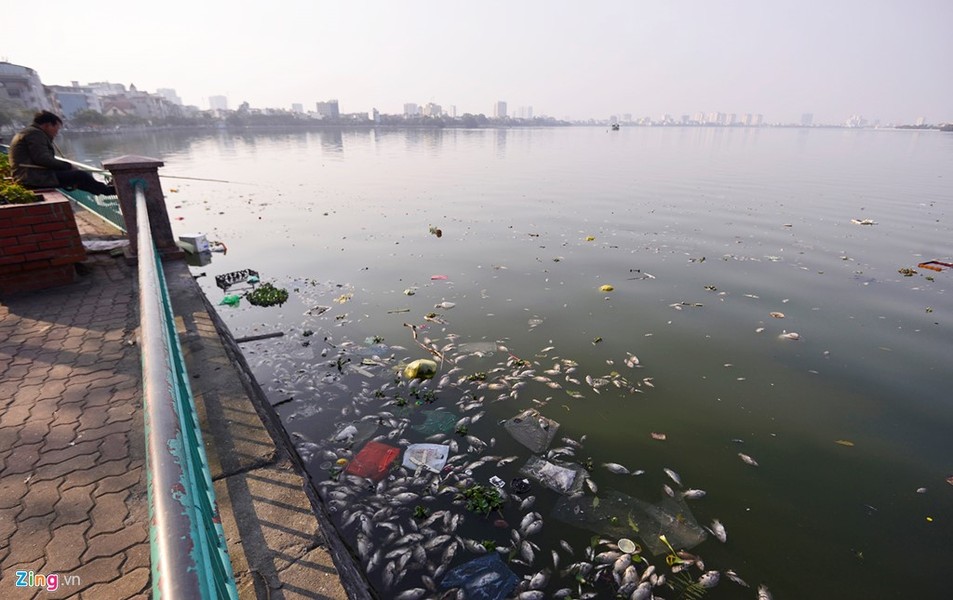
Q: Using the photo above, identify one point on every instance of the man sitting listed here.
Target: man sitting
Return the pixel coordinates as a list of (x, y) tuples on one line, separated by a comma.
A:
[(35, 165)]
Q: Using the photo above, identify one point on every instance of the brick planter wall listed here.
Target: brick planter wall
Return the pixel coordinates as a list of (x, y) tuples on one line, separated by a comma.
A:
[(39, 245)]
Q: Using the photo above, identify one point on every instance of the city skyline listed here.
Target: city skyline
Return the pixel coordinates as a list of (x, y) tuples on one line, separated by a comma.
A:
[(880, 60)]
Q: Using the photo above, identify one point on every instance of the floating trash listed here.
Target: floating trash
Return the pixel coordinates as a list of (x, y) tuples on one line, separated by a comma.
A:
[(373, 461), (618, 515), (626, 545), (421, 368), (484, 578), (559, 477), (433, 457), (437, 421), (532, 429), (606, 288)]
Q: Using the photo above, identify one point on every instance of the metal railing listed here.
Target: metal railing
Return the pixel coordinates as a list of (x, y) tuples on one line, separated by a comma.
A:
[(189, 555)]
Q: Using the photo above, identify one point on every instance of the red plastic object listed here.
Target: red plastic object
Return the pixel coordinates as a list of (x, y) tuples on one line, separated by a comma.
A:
[(373, 461)]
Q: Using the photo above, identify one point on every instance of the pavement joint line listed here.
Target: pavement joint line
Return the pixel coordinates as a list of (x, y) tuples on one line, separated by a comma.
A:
[(70, 385)]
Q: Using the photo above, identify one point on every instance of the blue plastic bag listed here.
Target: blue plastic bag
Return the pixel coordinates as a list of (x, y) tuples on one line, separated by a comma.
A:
[(484, 578)]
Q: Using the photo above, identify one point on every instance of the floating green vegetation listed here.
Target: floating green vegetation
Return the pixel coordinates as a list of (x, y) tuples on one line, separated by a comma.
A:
[(482, 499), (267, 295)]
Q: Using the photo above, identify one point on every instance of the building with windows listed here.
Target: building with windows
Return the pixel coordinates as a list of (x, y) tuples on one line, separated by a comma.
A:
[(21, 87), (411, 109), (499, 110), (328, 110)]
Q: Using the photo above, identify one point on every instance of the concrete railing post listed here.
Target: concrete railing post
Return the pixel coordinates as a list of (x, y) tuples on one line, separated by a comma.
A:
[(128, 172)]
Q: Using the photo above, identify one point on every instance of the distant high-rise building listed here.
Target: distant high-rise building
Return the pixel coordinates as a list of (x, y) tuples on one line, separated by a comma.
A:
[(921, 121), (524, 112), (432, 110), (499, 109), (411, 109), (452, 111), (627, 117), (170, 95), (807, 119), (732, 119), (758, 120), (218, 103), (329, 109), (297, 107)]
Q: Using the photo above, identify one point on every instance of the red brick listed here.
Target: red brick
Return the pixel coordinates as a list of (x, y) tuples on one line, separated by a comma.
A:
[(50, 227), (10, 233), (10, 268), (20, 248), (40, 254), (65, 233), (51, 244), (31, 238)]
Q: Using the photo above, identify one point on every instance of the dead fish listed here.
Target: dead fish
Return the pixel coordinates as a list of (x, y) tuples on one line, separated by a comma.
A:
[(668, 491), (609, 556), (718, 530), (592, 485), (673, 475), (529, 518), (411, 594), (734, 577), (533, 528), (693, 494), (616, 468), (643, 592), (747, 459), (539, 580), (526, 552), (763, 593), (532, 595), (527, 502), (709, 579)]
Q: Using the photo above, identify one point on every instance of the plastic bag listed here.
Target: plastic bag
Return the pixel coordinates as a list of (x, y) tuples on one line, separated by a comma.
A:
[(559, 477), (616, 514), (437, 421), (373, 461), (430, 456), (532, 429), (231, 300), (484, 578)]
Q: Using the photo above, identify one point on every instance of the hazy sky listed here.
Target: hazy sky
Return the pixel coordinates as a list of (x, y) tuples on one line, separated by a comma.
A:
[(883, 59)]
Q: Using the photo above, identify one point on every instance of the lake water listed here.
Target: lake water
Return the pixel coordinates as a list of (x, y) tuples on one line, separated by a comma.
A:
[(703, 234)]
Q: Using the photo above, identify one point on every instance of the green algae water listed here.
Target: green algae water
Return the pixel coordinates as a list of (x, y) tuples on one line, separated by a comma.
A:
[(766, 301)]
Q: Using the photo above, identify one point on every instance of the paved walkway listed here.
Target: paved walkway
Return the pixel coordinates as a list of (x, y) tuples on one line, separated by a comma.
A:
[(72, 469)]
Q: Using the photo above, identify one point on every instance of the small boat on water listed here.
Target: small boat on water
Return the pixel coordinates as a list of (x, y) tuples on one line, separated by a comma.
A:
[(615, 127)]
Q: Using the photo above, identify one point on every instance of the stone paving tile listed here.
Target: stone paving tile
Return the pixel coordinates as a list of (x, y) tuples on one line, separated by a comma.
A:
[(73, 496), (72, 483)]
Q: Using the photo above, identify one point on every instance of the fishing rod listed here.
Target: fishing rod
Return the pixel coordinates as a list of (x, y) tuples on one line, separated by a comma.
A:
[(92, 169)]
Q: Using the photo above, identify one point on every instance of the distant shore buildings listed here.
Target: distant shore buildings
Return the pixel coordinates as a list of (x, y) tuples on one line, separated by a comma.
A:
[(22, 92)]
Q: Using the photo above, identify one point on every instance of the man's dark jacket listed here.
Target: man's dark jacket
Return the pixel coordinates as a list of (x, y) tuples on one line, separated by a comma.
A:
[(33, 159)]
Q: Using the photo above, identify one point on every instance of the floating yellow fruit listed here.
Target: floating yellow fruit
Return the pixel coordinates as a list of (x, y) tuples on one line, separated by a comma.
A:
[(420, 369), (606, 288)]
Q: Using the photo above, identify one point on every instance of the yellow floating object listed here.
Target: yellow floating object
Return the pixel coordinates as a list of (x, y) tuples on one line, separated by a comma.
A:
[(420, 369), (606, 288), (342, 461), (844, 443), (590, 238)]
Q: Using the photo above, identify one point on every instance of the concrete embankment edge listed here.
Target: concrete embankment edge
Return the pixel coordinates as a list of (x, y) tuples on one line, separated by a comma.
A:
[(281, 539)]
